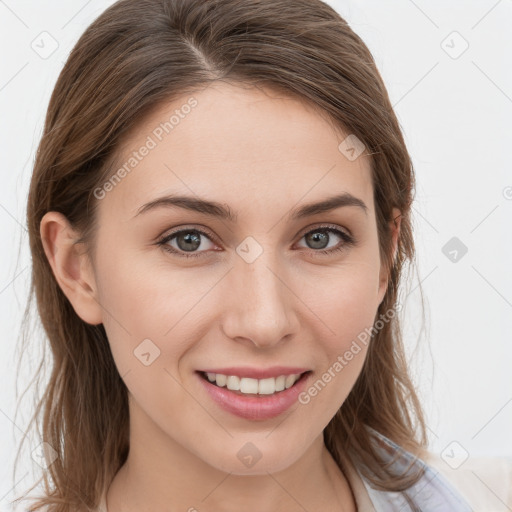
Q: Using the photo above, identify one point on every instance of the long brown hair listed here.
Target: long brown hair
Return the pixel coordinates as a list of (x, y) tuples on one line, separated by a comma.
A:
[(137, 55)]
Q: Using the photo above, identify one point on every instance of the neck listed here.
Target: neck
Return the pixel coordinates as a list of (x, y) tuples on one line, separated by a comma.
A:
[(160, 474)]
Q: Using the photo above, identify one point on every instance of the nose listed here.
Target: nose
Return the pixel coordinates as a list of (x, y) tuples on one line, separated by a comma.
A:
[(260, 308)]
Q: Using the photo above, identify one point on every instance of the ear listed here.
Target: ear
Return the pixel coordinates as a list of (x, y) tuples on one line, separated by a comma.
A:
[(394, 224), (71, 266)]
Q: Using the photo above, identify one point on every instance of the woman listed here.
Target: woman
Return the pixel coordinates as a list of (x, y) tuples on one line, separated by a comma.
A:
[(219, 216)]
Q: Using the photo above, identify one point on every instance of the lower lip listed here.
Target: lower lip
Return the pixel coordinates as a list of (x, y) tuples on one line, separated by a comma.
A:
[(255, 408)]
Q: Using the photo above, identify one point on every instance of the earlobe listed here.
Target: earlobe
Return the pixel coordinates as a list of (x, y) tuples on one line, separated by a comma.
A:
[(71, 266)]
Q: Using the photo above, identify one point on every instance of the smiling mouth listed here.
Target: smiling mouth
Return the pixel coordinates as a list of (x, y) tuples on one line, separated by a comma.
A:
[(244, 386)]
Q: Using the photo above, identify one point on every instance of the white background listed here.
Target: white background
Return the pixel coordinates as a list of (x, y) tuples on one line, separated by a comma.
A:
[(454, 113)]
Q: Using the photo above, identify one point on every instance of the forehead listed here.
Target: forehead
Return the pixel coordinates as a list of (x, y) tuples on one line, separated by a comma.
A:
[(244, 146)]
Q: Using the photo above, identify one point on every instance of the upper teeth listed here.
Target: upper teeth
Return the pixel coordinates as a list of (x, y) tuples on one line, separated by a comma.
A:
[(253, 386)]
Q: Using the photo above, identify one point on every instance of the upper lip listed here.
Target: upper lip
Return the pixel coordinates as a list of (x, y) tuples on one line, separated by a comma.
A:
[(256, 373)]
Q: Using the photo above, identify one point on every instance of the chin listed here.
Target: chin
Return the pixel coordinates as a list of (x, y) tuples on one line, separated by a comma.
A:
[(247, 459)]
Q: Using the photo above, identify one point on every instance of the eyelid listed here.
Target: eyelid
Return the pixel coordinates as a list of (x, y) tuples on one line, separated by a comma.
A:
[(193, 227), (320, 226), (205, 231)]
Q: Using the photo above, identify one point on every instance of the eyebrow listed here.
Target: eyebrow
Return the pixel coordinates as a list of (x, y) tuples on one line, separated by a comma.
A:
[(222, 211)]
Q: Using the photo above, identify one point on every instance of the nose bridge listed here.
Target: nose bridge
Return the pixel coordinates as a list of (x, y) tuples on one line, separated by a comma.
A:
[(261, 305)]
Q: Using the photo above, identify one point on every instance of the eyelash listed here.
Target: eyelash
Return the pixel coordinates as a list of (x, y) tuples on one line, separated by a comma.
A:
[(348, 241)]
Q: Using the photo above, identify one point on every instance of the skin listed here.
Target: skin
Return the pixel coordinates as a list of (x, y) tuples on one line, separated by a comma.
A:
[(263, 154)]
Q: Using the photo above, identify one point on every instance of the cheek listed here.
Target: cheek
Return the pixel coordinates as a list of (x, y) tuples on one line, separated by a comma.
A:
[(142, 296), (353, 309), (155, 318), (342, 350), (345, 302), (144, 316), (345, 299)]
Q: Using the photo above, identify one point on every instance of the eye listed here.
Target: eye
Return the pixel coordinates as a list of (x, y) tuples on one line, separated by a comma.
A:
[(320, 238), (187, 240)]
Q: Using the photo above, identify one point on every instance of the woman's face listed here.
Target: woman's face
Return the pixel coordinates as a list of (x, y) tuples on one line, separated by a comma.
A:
[(256, 292)]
